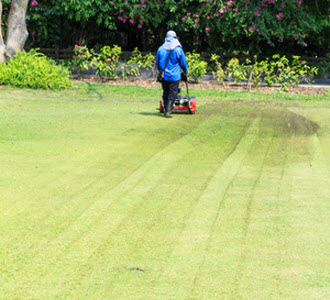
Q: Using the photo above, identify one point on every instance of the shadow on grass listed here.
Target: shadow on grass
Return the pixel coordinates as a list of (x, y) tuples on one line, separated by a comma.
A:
[(148, 113), (92, 90)]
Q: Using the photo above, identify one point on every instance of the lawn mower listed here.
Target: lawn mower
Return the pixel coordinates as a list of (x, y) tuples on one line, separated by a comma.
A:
[(182, 104)]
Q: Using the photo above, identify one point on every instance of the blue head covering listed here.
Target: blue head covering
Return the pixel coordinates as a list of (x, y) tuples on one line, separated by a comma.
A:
[(171, 41)]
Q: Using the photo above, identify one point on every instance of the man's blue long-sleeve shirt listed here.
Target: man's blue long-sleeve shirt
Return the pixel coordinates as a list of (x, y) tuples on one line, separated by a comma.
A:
[(175, 64)]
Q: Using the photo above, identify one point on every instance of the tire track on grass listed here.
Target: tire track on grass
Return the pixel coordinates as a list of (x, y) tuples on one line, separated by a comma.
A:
[(279, 197), (215, 190), (215, 221), (247, 220), (125, 189), (127, 219), (82, 191), (69, 243), (96, 212), (139, 206), (141, 240)]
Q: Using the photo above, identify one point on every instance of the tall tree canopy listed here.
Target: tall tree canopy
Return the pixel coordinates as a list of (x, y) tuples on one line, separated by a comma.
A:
[(267, 26)]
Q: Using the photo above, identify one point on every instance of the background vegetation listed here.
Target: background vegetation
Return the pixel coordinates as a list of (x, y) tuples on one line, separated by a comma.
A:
[(236, 26), (34, 70)]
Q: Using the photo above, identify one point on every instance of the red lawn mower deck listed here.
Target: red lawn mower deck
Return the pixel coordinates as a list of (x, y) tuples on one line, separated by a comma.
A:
[(182, 104)]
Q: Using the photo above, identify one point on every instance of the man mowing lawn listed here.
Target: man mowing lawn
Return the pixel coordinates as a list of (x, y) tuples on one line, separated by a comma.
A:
[(171, 59)]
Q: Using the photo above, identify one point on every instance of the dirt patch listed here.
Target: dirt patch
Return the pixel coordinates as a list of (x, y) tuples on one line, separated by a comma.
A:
[(149, 82)]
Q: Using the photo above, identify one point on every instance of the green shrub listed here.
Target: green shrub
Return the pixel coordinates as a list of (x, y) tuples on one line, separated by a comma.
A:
[(323, 68), (282, 72), (138, 61), (238, 72), (134, 63), (106, 62), (218, 72), (259, 70), (34, 70), (196, 66), (277, 70)]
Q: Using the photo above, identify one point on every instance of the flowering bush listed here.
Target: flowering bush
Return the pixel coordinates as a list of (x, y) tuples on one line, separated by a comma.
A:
[(80, 59), (215, 25), (224, 24)]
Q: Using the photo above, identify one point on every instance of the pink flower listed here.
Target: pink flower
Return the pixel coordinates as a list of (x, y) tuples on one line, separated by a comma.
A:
[(131, 21), (79, 55), (221, 11), (34, 3), (236, 9), (208, 17), (207, 29), (140, 26), (196, 20), (142, 2), (250, 28), (230, 2), (279, 16)]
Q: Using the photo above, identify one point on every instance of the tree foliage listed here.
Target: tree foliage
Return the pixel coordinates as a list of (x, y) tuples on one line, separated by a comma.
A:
[(205, 25)]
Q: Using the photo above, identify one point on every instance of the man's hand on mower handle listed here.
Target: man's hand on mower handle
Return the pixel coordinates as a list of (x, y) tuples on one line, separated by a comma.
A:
[(184, 77)]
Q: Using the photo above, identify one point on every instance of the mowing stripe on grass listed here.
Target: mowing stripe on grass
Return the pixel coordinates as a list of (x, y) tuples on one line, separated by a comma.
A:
[(230, 209), (189, 254), (94, 223)]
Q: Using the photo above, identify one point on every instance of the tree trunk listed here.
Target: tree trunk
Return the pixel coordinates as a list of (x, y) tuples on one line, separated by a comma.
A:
[(16, 30), (2, 44)]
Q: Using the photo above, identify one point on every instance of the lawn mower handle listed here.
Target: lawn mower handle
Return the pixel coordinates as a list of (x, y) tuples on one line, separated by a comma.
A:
[(186, 81)]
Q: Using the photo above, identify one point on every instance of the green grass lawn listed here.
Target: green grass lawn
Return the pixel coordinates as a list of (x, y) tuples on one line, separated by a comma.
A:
[(102, 198)]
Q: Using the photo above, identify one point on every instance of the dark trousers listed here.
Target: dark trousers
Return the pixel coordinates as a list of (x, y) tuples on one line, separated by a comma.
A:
[(170, 92)]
